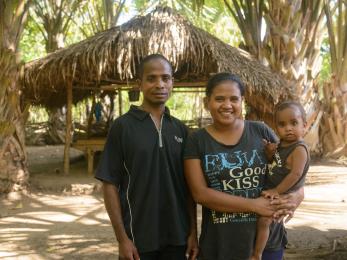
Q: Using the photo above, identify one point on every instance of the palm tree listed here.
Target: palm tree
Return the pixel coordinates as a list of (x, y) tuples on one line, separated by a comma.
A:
[(334, 125), (13, 159), (99, 15), (285, 35), (54, 19)]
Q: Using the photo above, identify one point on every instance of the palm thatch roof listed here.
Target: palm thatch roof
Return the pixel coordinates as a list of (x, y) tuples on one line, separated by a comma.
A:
[(112, 57)]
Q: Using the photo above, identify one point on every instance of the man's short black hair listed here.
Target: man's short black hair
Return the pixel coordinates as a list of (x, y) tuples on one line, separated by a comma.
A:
[(150, 58)]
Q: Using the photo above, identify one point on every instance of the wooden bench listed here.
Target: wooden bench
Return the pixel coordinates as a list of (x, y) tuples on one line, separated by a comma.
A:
[(89, 147)]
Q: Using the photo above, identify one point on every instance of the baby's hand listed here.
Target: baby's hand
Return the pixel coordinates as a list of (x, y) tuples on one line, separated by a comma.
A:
[(270, 149), (270, 194)]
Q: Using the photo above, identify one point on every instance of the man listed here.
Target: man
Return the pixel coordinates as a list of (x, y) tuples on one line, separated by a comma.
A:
[(146, 198)]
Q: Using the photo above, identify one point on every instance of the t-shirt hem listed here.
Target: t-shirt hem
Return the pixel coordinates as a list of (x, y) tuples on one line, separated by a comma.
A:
[(159, 247), (190, 157)]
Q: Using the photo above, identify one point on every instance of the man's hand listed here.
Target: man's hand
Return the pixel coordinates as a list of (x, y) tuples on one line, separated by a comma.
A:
[(270, 194), (192, 247), (127, 250), (270, 149)]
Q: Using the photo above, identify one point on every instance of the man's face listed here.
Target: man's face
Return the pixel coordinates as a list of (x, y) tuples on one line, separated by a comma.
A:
[(156, 82)]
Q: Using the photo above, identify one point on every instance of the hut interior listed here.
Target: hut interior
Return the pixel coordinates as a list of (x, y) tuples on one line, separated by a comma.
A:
[(108, 61)]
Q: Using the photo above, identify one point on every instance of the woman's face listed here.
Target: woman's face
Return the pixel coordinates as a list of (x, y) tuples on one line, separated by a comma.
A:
[(225, 103)]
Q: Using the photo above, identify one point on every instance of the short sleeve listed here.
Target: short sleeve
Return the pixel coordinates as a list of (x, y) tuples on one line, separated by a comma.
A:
[(110, 167), (269, 134), (191, 150)]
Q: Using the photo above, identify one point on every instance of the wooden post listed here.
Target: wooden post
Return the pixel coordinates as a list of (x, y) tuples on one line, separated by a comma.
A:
[(68, 128), (90, 117), (90, 159), (120, 101)]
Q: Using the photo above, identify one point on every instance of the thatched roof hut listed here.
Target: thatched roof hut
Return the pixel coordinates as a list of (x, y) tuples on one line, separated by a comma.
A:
[(112, 56)]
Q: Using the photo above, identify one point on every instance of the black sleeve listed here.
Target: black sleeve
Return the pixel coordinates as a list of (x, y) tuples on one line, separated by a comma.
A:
[(269, 134), (191, 150), (110, 167), (185, 130)]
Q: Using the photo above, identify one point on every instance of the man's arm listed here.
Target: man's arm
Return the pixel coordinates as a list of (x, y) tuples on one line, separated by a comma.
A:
[(127, 249), (192, 243)]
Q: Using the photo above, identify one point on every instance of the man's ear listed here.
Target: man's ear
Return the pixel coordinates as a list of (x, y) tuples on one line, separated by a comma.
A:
[(205, 100), (138, 82)]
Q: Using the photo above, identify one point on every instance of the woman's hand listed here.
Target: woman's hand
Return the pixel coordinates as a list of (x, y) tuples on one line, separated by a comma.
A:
[(270, 194), (263, 207)]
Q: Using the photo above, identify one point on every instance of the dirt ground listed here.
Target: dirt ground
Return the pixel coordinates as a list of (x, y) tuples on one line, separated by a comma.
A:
[(63, 217)]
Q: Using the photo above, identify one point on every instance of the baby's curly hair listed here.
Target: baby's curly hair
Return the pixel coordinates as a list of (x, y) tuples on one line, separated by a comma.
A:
[(283, 105)]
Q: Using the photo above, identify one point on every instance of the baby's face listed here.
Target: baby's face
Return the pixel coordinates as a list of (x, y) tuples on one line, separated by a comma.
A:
[(290, 125)]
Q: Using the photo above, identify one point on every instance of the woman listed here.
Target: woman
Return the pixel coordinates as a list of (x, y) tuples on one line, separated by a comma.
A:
[(225, 167)]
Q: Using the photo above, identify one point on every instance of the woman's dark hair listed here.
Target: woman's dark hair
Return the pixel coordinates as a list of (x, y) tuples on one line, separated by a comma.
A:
[(221, 77), (148, 59), (281, 106)]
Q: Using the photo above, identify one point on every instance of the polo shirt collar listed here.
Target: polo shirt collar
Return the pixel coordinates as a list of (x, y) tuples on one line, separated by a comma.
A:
[(141, 114)]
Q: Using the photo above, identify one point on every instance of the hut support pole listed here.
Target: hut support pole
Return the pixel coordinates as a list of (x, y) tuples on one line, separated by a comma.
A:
[(68, 129), (120, 102)]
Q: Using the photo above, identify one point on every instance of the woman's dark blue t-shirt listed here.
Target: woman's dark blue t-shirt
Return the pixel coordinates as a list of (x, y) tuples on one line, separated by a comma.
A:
[(237, 170)]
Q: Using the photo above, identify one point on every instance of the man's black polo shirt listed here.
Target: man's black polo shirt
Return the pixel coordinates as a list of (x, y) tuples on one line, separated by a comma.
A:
[(150, 178)]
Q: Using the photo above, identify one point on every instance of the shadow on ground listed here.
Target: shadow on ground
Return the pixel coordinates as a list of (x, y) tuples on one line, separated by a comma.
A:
[(57, 227), (64, 218)]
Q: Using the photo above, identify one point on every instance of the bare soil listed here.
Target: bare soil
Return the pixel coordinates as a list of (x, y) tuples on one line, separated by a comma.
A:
[(63, 217)]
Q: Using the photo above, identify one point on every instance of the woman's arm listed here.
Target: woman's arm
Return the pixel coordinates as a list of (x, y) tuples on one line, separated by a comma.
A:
[(221, 201)]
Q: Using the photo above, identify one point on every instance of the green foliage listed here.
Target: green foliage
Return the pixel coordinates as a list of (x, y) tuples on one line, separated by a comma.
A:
[(325, 73), (187, 106), (32, 44), (96, 15)]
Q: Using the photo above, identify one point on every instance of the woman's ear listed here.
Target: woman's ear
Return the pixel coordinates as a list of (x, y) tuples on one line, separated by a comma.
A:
[(205, 100), (305, 128)]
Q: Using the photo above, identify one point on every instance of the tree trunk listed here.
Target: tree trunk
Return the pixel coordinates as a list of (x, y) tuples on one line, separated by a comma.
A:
[(56, 126), (13, 160), (334, 123)]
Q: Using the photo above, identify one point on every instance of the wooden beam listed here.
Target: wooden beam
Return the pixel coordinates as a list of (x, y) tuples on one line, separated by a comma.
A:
[(120, 102), (68, 129), (189, 91), (130, 85), (189, 84)]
